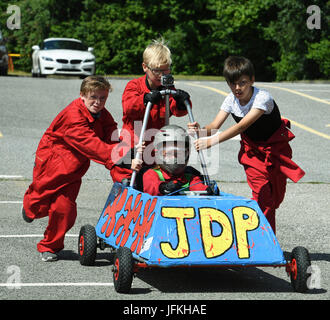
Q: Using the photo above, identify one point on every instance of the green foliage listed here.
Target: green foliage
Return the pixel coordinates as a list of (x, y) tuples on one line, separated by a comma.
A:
[(289, 30), (320, 52), (200, 33)]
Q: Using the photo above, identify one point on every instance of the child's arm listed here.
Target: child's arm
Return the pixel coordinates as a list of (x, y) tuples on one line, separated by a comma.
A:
[(208, 129), (133, 100), (137, 163), (252, 116)]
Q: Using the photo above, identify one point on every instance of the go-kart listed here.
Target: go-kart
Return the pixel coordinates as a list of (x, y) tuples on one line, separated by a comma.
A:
[(185, 229)]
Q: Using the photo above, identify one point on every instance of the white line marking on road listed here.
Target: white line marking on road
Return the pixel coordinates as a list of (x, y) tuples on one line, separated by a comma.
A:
[(56, 284), (11, 202), (6, 176)]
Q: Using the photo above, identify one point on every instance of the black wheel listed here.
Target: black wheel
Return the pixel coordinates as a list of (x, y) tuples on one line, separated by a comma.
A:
[(299, 269), (4, 71), (87, 245), (123, 270)]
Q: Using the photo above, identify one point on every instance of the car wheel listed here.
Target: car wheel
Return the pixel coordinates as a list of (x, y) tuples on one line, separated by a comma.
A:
[(299, 269), (87, 245), (123, 270), (4, 71)]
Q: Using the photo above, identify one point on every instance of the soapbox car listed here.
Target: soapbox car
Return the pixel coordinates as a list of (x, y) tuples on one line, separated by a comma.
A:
[(185, 229)]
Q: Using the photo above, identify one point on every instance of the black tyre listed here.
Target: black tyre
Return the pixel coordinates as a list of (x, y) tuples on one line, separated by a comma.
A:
[(123, 270), (87, 245), (299, 273), (4, 71)]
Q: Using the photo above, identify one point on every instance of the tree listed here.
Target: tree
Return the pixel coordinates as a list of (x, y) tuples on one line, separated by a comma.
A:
[(293, 37), (200, 33)]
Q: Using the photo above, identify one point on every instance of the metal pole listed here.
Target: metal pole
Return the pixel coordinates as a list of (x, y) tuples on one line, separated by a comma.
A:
[(200, 152), (167, 107), (144, 126)]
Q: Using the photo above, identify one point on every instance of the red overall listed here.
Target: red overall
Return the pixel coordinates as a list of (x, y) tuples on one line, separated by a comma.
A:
[(267, 166), (62, 158), (151, 182), (133, 114)]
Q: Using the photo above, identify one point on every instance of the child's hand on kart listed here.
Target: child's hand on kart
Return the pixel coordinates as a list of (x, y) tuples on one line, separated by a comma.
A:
[(193, 128), (140, 147), (137, 163), (204, 143)]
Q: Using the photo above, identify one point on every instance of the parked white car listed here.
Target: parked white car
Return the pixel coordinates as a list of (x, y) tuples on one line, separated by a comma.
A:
[(65, 56)]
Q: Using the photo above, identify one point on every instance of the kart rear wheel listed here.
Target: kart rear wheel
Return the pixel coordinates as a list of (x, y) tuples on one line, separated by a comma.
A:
[(87, 245), (123, 270), (299, 269)]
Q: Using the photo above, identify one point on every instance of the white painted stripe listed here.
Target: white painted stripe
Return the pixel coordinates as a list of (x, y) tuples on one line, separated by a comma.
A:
[(32, 235), (56, 284), (10, 202), (6, 176)]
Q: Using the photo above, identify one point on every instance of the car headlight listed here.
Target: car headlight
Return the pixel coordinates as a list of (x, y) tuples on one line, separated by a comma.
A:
[(47, 58), (89, 60)]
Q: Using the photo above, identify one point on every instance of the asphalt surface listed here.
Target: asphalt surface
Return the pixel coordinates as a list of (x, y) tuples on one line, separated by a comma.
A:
[(27, 107)]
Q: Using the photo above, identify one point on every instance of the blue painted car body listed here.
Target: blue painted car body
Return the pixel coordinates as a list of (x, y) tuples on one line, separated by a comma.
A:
[(188, 230)]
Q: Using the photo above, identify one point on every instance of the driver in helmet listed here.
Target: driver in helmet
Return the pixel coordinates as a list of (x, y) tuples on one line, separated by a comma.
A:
[(172, 149)]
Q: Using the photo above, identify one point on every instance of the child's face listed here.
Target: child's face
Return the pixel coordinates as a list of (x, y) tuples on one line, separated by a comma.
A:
[(242, 89), (95, 100), (155, 74)]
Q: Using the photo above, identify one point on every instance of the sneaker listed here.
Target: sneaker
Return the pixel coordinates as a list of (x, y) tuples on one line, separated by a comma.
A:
[(48, 256), (25, 217)]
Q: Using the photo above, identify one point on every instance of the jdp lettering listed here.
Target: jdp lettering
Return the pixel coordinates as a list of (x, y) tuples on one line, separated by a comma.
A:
[(245, 220)]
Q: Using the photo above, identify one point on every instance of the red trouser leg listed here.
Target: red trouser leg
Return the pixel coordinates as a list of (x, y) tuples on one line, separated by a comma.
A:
[(62, 216), (268, 192), (36, 206)]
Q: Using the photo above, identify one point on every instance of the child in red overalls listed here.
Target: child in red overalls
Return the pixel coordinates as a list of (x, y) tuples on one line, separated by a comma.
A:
[(265, 151), (171, 172), (81, 132), (138, 92)]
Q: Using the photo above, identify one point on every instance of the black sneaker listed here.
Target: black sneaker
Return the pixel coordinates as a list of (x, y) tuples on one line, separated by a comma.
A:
[(25, 218)]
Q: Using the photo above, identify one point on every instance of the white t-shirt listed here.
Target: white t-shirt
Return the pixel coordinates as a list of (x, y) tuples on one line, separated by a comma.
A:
[(261, 99)]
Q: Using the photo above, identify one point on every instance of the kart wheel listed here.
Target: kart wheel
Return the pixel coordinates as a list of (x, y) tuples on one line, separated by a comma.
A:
[(87, 245), (123, 270), (299, 265)]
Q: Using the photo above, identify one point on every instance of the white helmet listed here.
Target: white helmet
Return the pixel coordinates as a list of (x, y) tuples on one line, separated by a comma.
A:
[(172, 148)]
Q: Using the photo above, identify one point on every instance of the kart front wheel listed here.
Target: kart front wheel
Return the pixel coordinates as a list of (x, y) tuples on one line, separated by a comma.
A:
[(87, 245), (123, 270), (299, 269)]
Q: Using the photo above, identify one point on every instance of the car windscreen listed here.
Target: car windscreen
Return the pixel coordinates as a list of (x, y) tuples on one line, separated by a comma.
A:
[(63, 44)]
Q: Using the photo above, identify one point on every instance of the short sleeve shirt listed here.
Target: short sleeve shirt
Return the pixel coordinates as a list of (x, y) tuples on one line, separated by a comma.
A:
[(261, 99)]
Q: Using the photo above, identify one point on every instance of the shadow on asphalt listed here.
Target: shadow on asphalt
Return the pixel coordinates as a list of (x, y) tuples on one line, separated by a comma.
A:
[(238, 279), (204, 279)]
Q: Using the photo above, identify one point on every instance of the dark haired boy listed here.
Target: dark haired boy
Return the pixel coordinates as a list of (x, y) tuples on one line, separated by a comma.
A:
[(265, 152)]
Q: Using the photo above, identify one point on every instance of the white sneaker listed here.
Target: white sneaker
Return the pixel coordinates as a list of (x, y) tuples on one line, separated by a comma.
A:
[(48, 256)]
